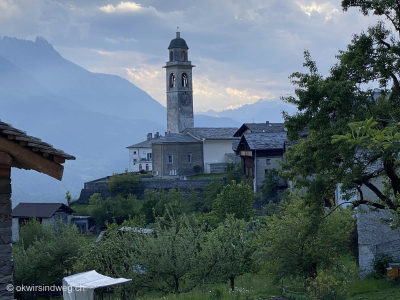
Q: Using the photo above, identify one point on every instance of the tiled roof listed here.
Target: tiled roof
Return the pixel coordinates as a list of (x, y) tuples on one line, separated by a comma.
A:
[(235, 144), (260, 127), (38, 210), (265, 140), (176, 138), (35, 144), (212, 133), (145, 144)]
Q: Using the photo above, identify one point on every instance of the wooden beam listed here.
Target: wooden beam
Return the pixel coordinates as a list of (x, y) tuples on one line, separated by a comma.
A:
[(35, 161), (59, 159)]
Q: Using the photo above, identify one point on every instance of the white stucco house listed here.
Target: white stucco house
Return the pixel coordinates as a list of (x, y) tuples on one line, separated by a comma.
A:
[(140, 154), (217, 147)]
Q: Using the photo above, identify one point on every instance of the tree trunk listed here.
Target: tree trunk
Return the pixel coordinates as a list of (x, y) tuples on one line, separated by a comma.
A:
[(232, 279), (176, 285), (6, 263)]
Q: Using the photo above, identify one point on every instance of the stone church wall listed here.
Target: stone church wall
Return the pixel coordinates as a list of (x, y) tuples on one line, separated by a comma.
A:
[(180, 165)]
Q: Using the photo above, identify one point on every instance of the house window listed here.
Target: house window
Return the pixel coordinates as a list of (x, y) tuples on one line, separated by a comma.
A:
[(172, 80), (170, 159), (140, 167), (134, 161), (149, 156), (147, 167), (189, 158), (268, 161), (184, 80)]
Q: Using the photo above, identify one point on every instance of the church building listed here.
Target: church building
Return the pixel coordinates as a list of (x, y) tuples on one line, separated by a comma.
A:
[(185, 149)]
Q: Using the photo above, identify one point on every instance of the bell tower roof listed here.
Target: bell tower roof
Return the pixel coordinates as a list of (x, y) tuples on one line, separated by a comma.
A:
[(178, 42)]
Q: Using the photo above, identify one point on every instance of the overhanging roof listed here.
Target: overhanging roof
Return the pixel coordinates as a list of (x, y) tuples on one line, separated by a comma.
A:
[(31, 153)]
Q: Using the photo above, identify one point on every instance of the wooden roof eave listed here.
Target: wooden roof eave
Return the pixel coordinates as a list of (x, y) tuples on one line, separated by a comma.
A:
[(25, 158)]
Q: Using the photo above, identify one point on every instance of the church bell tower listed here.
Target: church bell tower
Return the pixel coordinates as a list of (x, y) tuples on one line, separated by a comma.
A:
[(179, 87)]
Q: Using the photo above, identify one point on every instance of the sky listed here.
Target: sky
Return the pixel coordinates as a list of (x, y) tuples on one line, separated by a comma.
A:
[(243, 50)]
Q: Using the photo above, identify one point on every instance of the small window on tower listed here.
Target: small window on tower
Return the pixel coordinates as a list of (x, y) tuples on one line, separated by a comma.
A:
[(184, 80), (171, 56), (189, 158), (183, 55), (172, 80)]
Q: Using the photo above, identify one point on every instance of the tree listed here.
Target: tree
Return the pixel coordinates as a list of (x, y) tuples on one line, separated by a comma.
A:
[(68, 198), (48, 257), (236, 199), (327, 105), (124, 184), (297, 243), (113, 209), (176, 258), (235, 249)]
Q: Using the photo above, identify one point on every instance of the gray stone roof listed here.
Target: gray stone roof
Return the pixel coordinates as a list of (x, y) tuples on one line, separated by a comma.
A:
[(178, 43), (212, 133), (265, 140), (145, 144), (176, 138), (260, 127), (37, 145), (38, 210), (235, 144)]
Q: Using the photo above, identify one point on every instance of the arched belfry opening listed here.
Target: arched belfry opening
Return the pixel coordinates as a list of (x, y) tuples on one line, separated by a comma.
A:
[(184, 80), (172, 80)]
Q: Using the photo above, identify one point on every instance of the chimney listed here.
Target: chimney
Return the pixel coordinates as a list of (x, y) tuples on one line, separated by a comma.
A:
[(165, 133), (267, 122), (157, 135), (149, 136)]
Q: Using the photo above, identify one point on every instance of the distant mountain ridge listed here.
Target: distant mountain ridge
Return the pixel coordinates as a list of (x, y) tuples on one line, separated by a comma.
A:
[(258, 112), (89, 115)]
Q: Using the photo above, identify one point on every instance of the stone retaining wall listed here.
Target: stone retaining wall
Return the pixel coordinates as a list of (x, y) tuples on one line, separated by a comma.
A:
[(100, 186)]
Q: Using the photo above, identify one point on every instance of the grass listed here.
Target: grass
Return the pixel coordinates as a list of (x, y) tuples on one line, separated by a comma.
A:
[(248, 286)]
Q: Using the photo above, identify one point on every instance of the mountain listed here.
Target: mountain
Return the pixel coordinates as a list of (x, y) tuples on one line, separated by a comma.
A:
[(89, 115), (258, 112)]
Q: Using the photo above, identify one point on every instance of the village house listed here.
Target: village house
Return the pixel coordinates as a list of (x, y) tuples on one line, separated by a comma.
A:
[(260, 147), (217, 147), (52, 214), (141, 154)]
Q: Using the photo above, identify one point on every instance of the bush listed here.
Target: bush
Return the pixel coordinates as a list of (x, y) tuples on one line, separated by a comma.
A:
[(326, 287), (197, 169), (380, 264)]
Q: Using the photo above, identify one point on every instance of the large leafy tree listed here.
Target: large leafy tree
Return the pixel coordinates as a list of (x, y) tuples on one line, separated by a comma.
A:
[(296, 242), (327, 105)]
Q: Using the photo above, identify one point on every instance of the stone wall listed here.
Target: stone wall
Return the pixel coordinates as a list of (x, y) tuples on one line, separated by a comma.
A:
[(101, 187), (374, 237), (180, 164)]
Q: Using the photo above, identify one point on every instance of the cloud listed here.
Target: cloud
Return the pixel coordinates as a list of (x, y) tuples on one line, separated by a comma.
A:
[(120, 40), (327, 9), (125, 7)]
